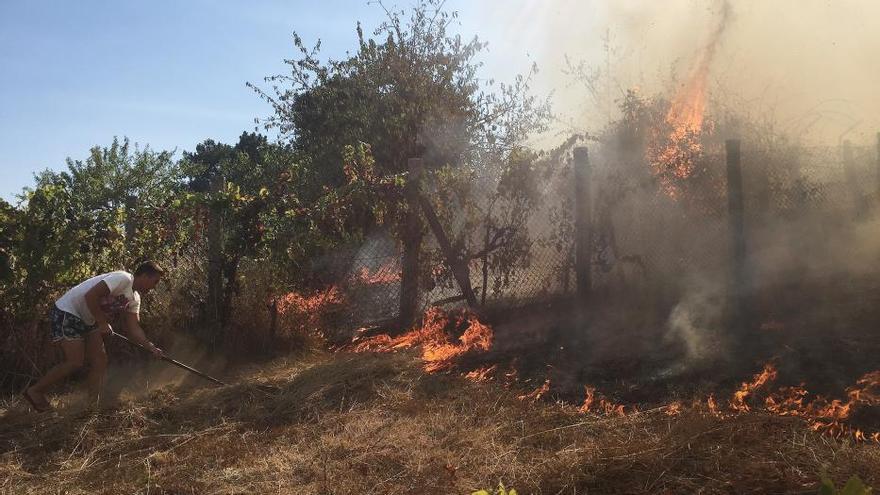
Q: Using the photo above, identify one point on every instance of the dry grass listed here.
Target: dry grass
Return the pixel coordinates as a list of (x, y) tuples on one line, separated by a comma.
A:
[(366, 423)]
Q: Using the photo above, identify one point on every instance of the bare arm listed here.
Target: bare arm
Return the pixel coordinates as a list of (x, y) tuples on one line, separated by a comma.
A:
[(134, 330), (93, 301)]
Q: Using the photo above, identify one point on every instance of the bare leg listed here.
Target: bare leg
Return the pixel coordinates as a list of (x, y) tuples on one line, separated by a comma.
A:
[(74, 353), (97, 357)]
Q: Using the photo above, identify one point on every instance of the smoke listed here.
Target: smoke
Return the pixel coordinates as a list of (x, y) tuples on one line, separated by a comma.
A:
[(689, 103), (806, 67), (696, 320)]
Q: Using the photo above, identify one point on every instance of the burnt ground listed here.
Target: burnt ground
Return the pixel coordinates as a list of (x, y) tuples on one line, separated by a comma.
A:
[(377, 423), (820, 334)]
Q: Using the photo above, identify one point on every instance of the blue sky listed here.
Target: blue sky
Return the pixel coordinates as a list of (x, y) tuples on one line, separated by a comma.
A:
[(74, 74), (165, 73)]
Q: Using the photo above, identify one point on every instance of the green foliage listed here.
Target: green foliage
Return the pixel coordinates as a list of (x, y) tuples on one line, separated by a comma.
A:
[(500, 491), (72, 224), (410, 90), (854, 486), (347, 127)]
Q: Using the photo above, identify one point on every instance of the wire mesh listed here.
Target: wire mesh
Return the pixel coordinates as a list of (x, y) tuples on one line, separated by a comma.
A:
[(642, 233)]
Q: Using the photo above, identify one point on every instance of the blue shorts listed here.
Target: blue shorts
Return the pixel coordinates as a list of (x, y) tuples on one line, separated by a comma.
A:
[(66, 326)]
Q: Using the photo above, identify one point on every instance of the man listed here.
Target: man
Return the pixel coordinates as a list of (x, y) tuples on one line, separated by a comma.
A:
[(80, 320)]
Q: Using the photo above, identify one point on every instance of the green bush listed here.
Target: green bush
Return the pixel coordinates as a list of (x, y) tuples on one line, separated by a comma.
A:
[(854, 486)]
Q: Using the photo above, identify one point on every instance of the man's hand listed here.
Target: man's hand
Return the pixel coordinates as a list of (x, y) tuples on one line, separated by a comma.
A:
[(105, 328), (157, 353)]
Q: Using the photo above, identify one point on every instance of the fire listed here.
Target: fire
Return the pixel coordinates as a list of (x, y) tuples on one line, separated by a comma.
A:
[(536, 394), (439, 350), (306, 311), (603, 405), (590, 393), (789, 401), (482, 374), (738, 402), (675, 145), (712, 405), (386, 274), (830, 417), (313, 304), (673, 409), (822, 415)]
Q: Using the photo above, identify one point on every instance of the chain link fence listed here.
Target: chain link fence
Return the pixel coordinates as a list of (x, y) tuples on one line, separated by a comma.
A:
[(802, 205)]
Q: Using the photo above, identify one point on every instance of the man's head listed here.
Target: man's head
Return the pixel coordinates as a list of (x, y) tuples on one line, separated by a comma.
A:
[(147, 276)]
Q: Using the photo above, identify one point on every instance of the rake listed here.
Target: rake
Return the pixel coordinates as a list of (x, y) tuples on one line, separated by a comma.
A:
[(172, 361)]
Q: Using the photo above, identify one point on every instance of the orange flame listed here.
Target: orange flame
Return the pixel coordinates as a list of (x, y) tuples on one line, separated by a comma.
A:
[(306, 311), (604, 406), (823, 416), (386, 274), (673, 409), (439, 350), (590, 393), (738, 402), (712, 405), (672, 155), (536, 394), (482, 374)]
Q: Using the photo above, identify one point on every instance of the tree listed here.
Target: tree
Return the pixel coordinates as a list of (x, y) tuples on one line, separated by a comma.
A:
[(410, 90)]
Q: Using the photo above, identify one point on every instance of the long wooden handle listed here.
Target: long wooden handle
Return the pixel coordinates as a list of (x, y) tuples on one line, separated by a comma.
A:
[(172, 361)]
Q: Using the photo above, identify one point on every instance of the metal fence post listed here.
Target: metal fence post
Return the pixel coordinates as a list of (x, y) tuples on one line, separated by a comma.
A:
[(214, 298), (853, 182), (583, 223), (412, 244), (739, 286)]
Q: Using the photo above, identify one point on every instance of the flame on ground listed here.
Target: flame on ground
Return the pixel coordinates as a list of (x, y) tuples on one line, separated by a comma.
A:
[(311, 304), (482, 374), (822, 415), (307, 311), (600, 406), (439, 349), (536, 394), (386, 274), (738, 402)]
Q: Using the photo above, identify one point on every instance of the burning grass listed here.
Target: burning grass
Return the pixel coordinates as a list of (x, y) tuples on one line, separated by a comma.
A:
[(438, 341), (460, 342), (377, 423)]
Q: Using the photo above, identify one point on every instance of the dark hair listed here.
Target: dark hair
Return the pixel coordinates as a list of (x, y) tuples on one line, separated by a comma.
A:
[(149, 268)]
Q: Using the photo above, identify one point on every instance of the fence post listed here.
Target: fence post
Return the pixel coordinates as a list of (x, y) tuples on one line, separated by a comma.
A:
[(583, 224), (412, 244), (215, 269), (739, 286), (860, 201)]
